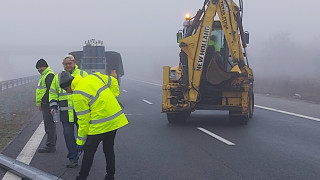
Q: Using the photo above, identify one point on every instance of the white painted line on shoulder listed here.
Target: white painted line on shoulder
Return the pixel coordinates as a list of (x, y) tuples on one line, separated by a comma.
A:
[(32, 145), (124, 90), (28, 151), (216, 136), (147, 101), (289, 113), (11, 176)]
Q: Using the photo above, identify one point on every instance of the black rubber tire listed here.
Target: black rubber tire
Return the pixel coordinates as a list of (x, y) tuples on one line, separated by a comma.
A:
[(251, 105), (178, 117), (238, 118)]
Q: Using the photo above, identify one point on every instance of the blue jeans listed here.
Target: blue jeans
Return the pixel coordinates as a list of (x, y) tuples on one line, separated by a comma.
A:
[(68, 133)]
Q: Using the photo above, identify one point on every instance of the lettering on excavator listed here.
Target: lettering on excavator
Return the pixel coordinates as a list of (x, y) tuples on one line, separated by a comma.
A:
[(203, 48), (224, 7)]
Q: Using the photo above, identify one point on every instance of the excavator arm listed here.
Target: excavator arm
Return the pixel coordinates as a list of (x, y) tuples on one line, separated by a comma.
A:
[(228, 11), (195, 45)]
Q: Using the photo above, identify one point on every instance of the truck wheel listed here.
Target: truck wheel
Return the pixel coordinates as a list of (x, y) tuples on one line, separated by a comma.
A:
[(178, 117), (238, 117), (251, 105)]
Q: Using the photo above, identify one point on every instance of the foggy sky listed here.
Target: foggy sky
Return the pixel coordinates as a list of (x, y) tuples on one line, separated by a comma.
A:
[(142, 31)]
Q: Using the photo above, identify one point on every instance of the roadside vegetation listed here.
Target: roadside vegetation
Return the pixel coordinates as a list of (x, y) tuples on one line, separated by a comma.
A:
[(283, 66), (286, 87), (17, 107)]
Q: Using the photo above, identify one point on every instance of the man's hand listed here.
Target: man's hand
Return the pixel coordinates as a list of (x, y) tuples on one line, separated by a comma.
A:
[(40, 108), (79, 148)]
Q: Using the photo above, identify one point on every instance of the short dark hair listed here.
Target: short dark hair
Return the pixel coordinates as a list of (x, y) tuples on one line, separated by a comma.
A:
[(65, 79), (41, 63), (213, 38)]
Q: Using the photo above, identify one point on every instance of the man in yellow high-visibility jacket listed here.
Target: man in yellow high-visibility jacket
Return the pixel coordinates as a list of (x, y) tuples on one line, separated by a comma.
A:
[(99, 116), (42, 100), (60, 98), (213, 44)]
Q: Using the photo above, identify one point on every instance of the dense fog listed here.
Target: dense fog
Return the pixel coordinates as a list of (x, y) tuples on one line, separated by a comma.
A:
[(284, 36)]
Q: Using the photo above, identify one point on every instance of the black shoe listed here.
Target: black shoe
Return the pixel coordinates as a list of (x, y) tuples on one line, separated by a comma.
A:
[(78, 178), (108, 177), (47, 149), (72, 164)]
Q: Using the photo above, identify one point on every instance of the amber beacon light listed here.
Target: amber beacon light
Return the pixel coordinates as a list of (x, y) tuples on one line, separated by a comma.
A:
[(188, 17)]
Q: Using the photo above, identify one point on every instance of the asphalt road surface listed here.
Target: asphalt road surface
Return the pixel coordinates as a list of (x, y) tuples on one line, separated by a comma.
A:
[(281, 141)]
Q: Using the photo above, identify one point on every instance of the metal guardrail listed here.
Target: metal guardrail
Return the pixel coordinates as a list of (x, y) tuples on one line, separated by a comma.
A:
[(17, 82), (25, 171), (17, 96)]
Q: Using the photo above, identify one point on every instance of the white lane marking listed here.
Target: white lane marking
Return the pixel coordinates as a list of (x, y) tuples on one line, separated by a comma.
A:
[(146, 82), (147, 101), (124, 90), (133, 114), (216, 136), (289, 113), (28, 151)]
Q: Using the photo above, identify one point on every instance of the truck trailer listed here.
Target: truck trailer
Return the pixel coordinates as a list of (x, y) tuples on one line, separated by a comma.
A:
[(93, 58)]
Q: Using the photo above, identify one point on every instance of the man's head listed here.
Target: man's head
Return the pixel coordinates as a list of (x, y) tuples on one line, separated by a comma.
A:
[(41, 65), (65, 81), (213, 38), (69, 63)]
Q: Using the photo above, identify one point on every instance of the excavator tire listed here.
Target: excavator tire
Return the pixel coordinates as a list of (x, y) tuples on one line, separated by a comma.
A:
[(251, 105), (178, 117), (238, 118)]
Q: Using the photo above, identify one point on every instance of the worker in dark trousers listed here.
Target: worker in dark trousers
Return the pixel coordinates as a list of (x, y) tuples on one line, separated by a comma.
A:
[(99, 117), (42, 100), (61, 101)]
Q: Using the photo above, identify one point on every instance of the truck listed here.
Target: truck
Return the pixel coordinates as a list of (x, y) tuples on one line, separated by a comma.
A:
[(94, 58), (213, 71)]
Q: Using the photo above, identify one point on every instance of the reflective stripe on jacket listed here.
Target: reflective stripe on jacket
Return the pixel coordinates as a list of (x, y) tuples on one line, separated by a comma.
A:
[(41, 88), (97, 109), (59, 97)]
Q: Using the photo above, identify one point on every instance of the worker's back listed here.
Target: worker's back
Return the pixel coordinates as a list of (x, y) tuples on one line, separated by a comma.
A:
[(94, 92)]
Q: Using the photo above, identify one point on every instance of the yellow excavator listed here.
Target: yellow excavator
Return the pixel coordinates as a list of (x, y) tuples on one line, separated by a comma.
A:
[(213, 71)]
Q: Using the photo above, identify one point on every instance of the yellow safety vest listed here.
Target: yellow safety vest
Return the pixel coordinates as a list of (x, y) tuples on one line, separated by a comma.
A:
[(59, 97), (214, 44), (41, 88), (97, 109)]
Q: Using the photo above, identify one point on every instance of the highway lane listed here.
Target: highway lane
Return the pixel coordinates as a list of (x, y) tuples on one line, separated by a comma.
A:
[(272, 146)]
